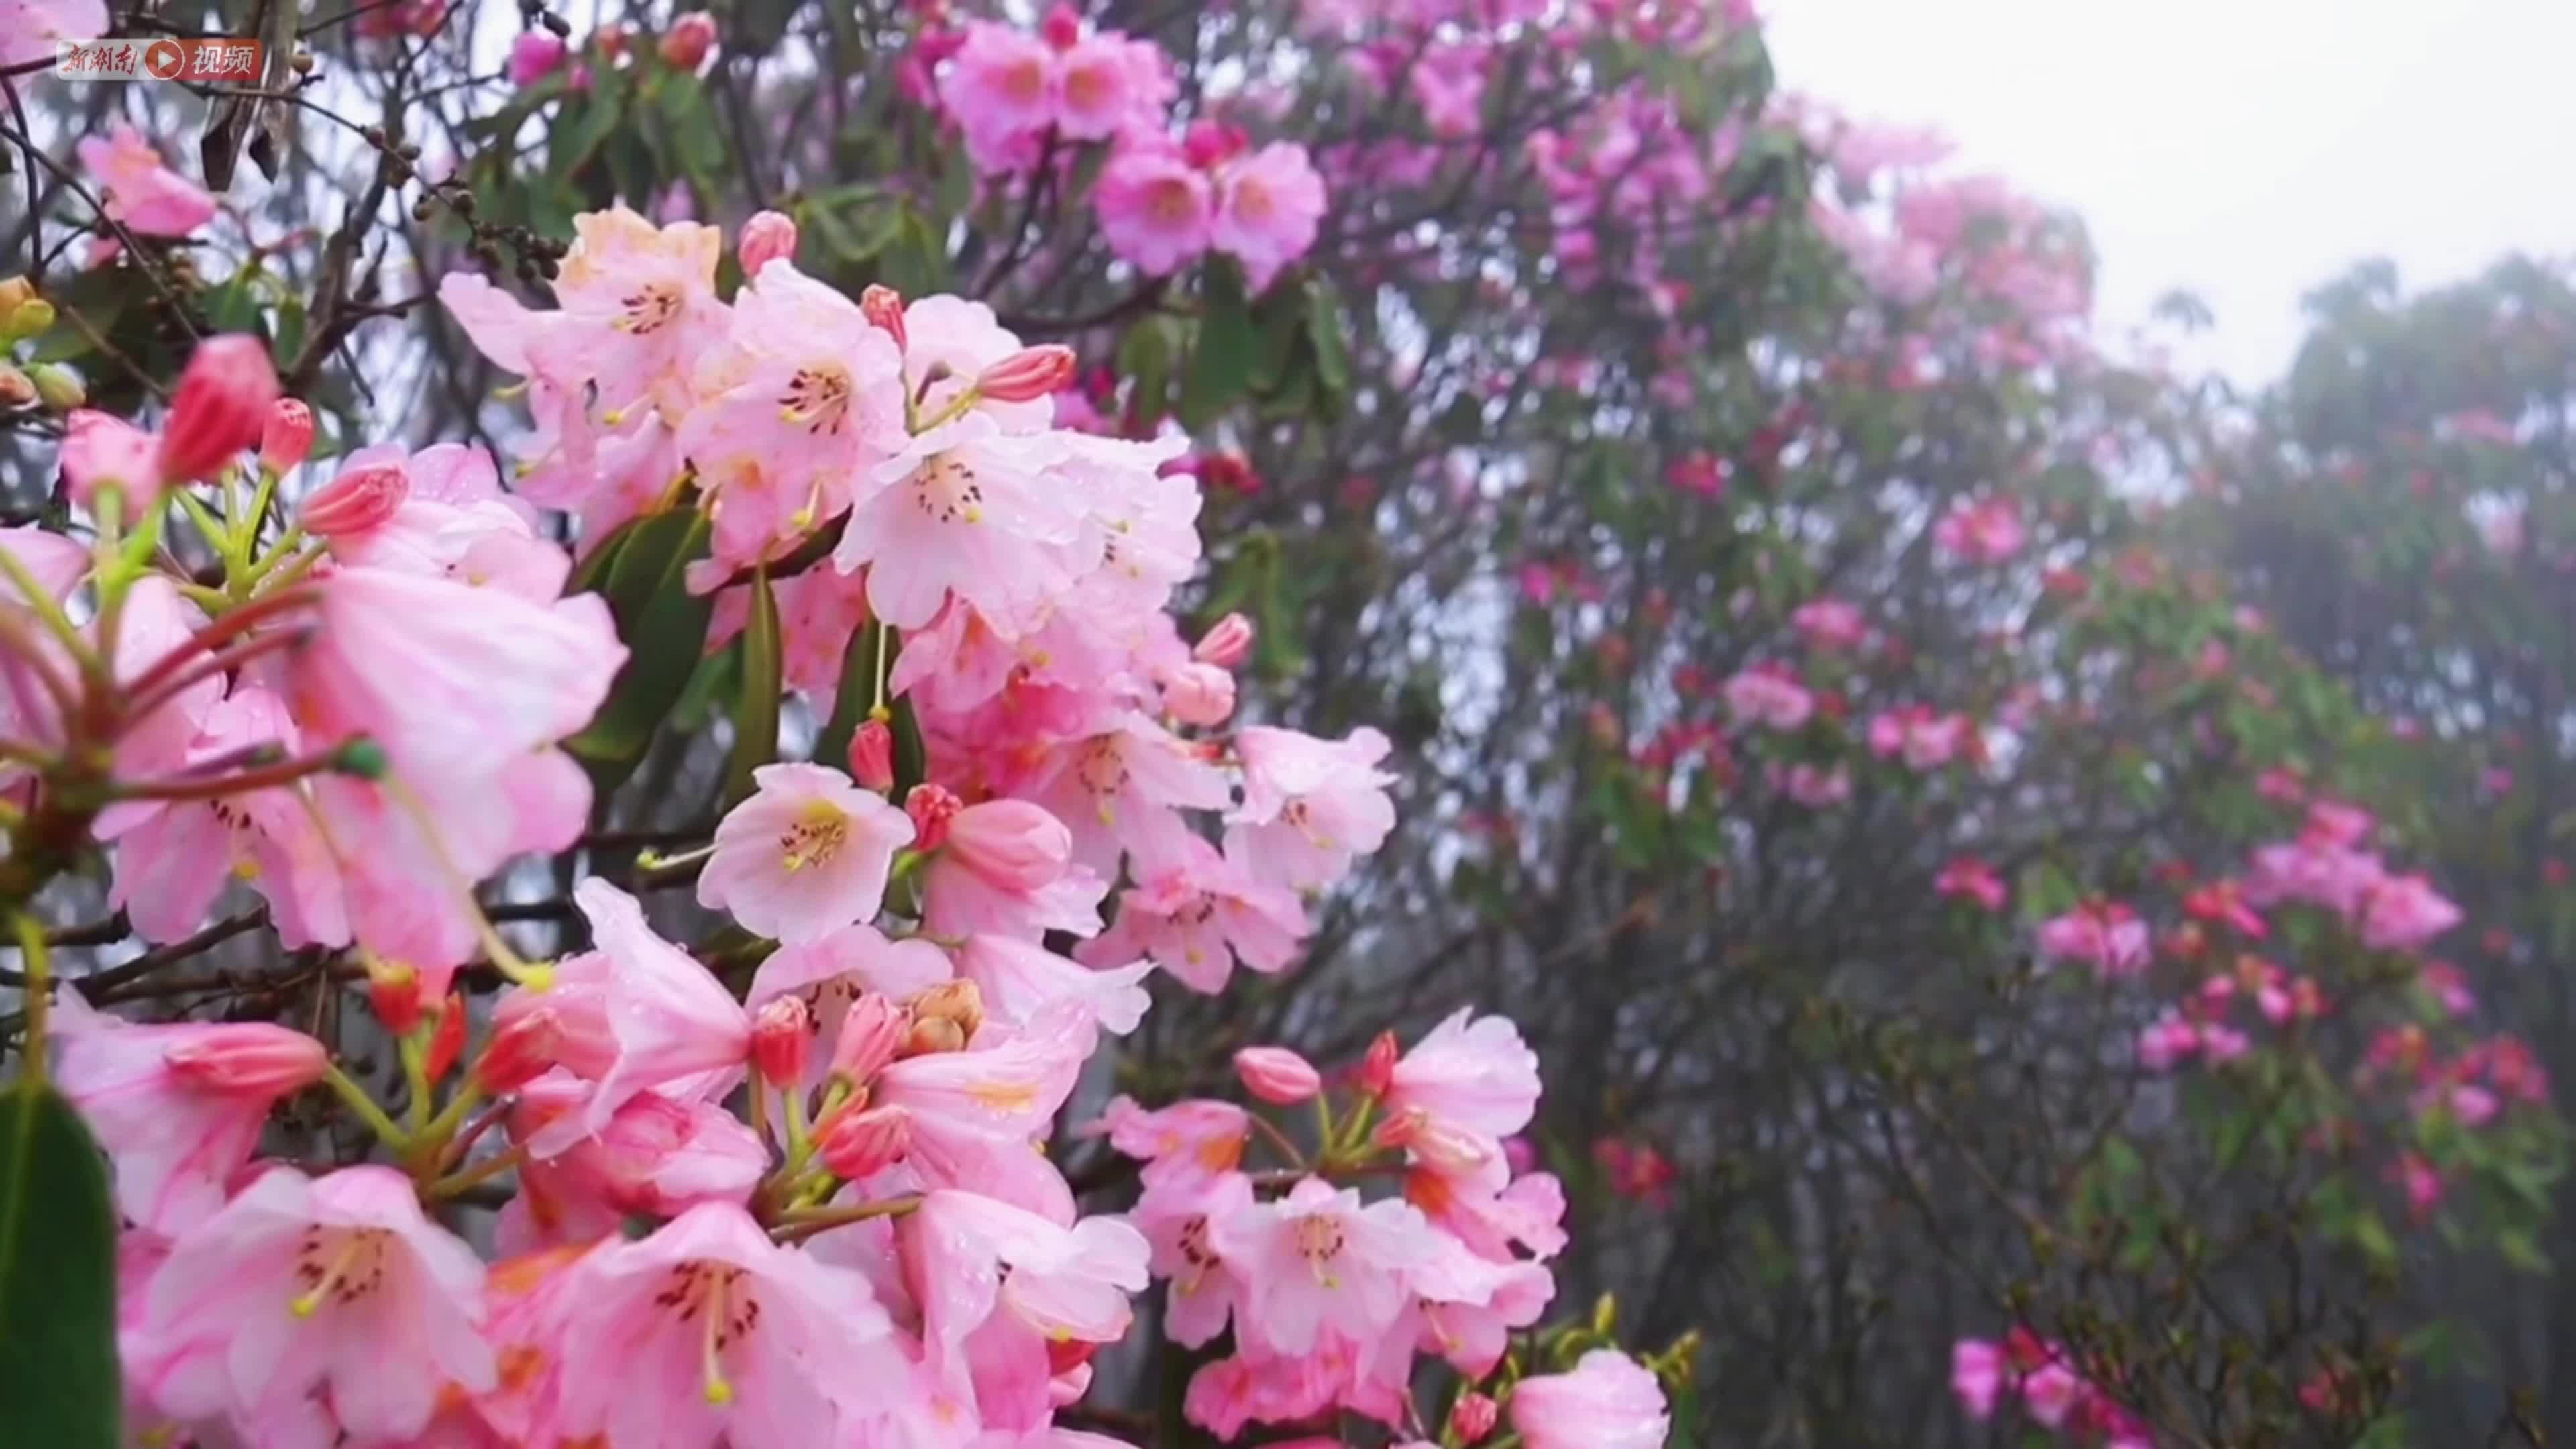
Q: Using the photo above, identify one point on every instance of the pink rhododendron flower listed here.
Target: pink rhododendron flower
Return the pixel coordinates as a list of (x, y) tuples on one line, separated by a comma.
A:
[(1318, 1258), (1007, 867), (677, 1030), (806, 855), (1608, 1401), (1268, 205), (535, 55), (1157, 210), (1309, 805), (2400, 913), (1769, 695), (141, 191), (1830, 624), (1968, 878), (1987, 531), (1977, 1376), (31, 29), (338, 1283), (2106, 934), (1197, 918)]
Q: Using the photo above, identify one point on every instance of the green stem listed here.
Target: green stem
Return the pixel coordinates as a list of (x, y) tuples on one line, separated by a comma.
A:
[(365, 1106), (484, 1171), (797, 1224), (36, 963)]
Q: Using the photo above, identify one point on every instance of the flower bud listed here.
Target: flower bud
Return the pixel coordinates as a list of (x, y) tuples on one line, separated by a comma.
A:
[(1377, 1069), (765, 238), (858, 1145), (686, 43), (884, 306), (520, 1049), (1210, 144), (871, 1031), (1226, 644), (58, 386), (872, 756), (393, 989), (1438, 1145), (1277, 1075), (358, 501), (959, 1001), (1010, 844), (286, 439), (16, 389), (15, 292), (1473, 1416), (1199, 694), (31, 318), (782, 1033), (931, 808), (447, 1039), (249, 1059), (220, 407), (535, 55), (930, 1035), (1062, 26), (1030, 373)]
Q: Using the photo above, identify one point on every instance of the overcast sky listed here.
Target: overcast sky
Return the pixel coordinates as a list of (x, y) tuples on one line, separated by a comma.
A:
[(2244, 149)]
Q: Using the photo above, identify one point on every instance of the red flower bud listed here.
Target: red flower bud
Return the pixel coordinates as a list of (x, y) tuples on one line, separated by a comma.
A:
[(1226, 644), (360, 500), (872, 756), (220, 408), (286, 439), (765, 238), (447, 1040), (871, 1031), (862, 1144), (1473, 1416), (782, 1032), (1277, 1075), (686, 43), (1062, 26), (884, 307), (520, 1050), (393, 988), (1377, 1069), (1031, 372), (931, 808), (249, 1059)]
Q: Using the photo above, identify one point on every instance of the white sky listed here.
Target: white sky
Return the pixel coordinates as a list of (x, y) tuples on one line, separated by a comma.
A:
[(2245, 149)]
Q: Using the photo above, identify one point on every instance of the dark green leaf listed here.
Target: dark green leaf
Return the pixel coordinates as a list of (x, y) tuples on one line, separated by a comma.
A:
[(58, 1372), (1326, 329), (664, 628), (755, 712), (857, 694), (1227, 349)]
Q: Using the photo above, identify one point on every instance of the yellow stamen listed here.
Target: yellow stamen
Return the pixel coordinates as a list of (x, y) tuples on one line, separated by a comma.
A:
[(310, 1302), (719, 1388)]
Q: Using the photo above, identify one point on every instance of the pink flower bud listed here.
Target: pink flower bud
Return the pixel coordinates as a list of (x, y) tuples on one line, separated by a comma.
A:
[(447, 1039), (872, 755), (535, 55), (765, 238), (862, 1144), (1062, 26), (360, 500), (394, 990), (1473, 1416), (1377, 1069), (782, 1032), (1010, 844), (220, 408), (1031, 372), (99, 450), (520, 1050), (286, 439), (1210, 144), (1226, 644), (871, 1030), (686, 43), (1277, 1075), (249, 1059), (884, 307), (931, 808), (1199, 694)]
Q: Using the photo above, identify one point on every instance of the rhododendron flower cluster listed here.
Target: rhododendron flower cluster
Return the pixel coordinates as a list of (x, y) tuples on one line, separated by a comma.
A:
[(2039, 1377), (841, 1227)]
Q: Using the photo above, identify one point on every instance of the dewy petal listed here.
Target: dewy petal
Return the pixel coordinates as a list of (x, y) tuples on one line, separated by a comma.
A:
[(677, 1028)]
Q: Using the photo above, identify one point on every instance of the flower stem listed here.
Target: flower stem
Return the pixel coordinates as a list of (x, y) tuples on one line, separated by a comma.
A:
[(365, 1106), (36, 964)]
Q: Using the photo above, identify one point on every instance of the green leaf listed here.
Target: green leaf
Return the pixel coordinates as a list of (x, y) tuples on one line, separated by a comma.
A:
[(1327, 330), (664, 628), (856, 695), (911, 752), (1145, 356), (1227, 349), (578, 136), (58, 1373), (755, 711)]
